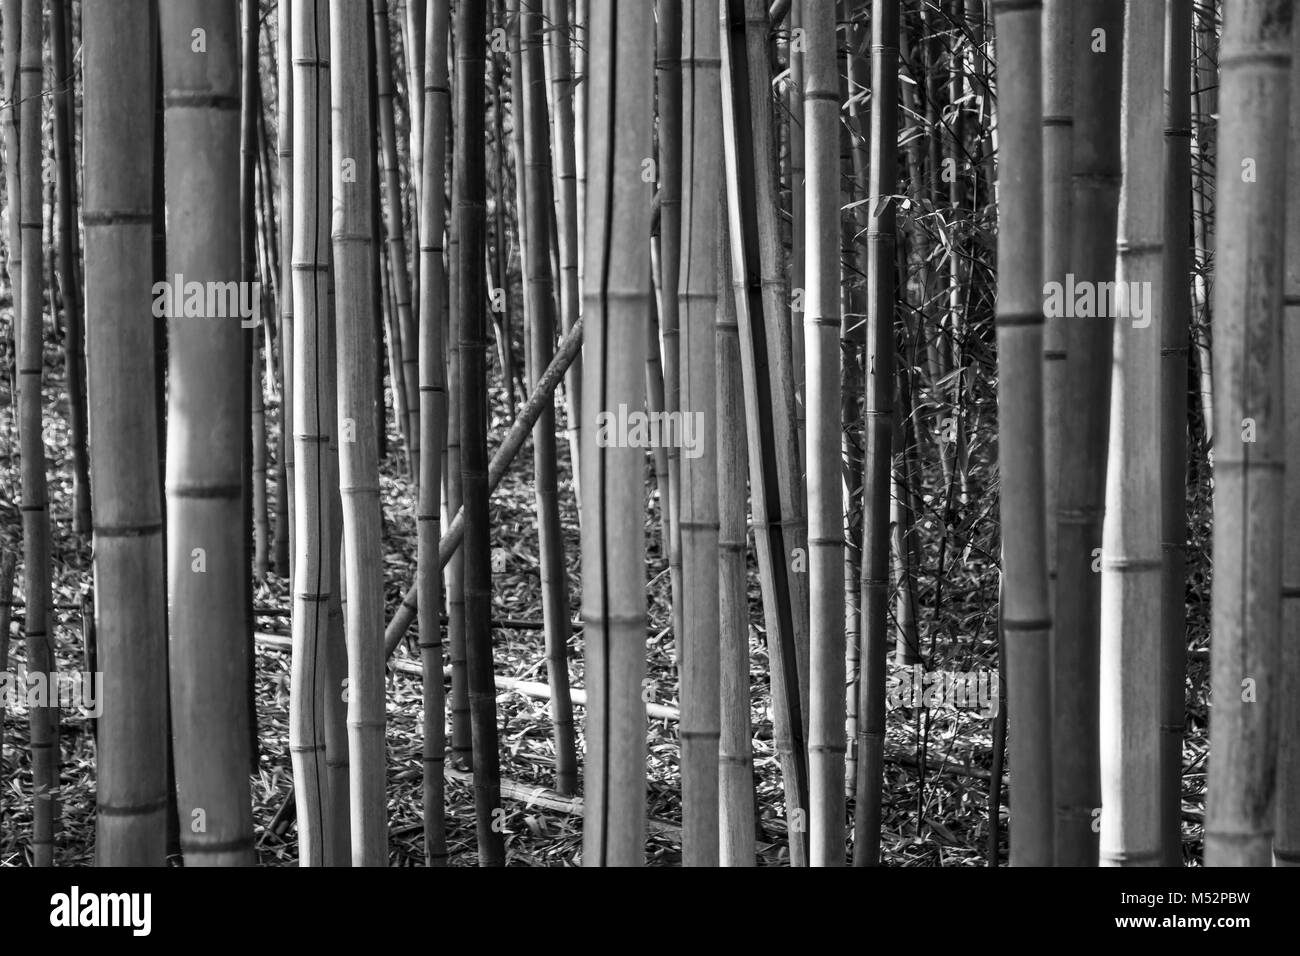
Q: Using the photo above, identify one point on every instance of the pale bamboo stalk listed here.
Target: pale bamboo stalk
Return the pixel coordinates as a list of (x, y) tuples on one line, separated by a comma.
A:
[(735, 746), (433, 420), (763, 314), (312, 416), (407, 376), (471, 214), (563, 84), (206, 398), (878, 412), (1026, 613), (580, 72), (353, 246), (1176, 314), (616, 294), (1131, 572), (130, 586), (1084, 392), (826, 742), (700, 176), (284, 159), (1249, 438)]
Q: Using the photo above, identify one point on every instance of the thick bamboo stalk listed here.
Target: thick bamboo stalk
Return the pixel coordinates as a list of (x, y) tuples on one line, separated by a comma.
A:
[(1131, 572), (530, 100), (206, 398), (471, 46), (735, 746), (74, 346), (130, 605), (35, 507), (284, 156), (354, 245), (1084, 392), (616, 294), (878, 411), (433, 419), (407, 376), (700, 177), (312, 416), (337, 801), (1176, 313), (826, 742), (1249, 438), (762, 315)]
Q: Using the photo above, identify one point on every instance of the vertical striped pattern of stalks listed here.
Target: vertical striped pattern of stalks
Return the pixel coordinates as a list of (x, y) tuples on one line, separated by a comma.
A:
[(697, 295), (130, 587), (433, 421), (530, 98), (353, 239), (284, 154), (1058, 138), (312, 415), (1176, 312), (1131, 571), (735, 747), (207, 393), (761, 307), (615, 298), (10, 40), (1026, 613), (35, 506), (878, 430), (407, 376), (568, 214), (1248, 433), (1084, 396), (668, 82), (471, 215), (825, 519), (69, 255)]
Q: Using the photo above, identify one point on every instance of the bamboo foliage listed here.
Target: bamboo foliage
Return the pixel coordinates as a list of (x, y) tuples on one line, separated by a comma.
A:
[(1248, 433), (1131, 597), (130, 606), (615, 300), (1026, 614), (206, 398)]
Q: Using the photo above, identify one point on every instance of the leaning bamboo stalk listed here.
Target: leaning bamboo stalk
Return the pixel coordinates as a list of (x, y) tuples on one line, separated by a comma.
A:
[(1026, 619), (1249, 449), (735, 747), (1084, 396), (68, 257), (312, 415), (471, 214), (407, 376), (1131, 596), (700, 178), (878, 410), (206, 399), (433, 419), (1176, 312), (353, 245), (511, 443), (615, 295), (130, 605), (762, 315), (826, 744), (530, 99)]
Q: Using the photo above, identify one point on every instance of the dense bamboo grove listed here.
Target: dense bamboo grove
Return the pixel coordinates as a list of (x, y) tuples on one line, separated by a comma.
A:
[(701, 432)]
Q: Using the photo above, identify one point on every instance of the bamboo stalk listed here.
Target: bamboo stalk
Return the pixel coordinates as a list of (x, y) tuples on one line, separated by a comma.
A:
[(206, 400), (1249, 438), (1027, 614), (878, 411), (615, 296), (284, 155)]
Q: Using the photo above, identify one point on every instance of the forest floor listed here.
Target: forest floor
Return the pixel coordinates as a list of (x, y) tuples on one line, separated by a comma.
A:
[(938, 760)]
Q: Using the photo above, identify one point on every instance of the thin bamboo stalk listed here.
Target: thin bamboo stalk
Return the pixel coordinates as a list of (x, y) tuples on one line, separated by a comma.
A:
[(1249, 437), (284, 157)]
